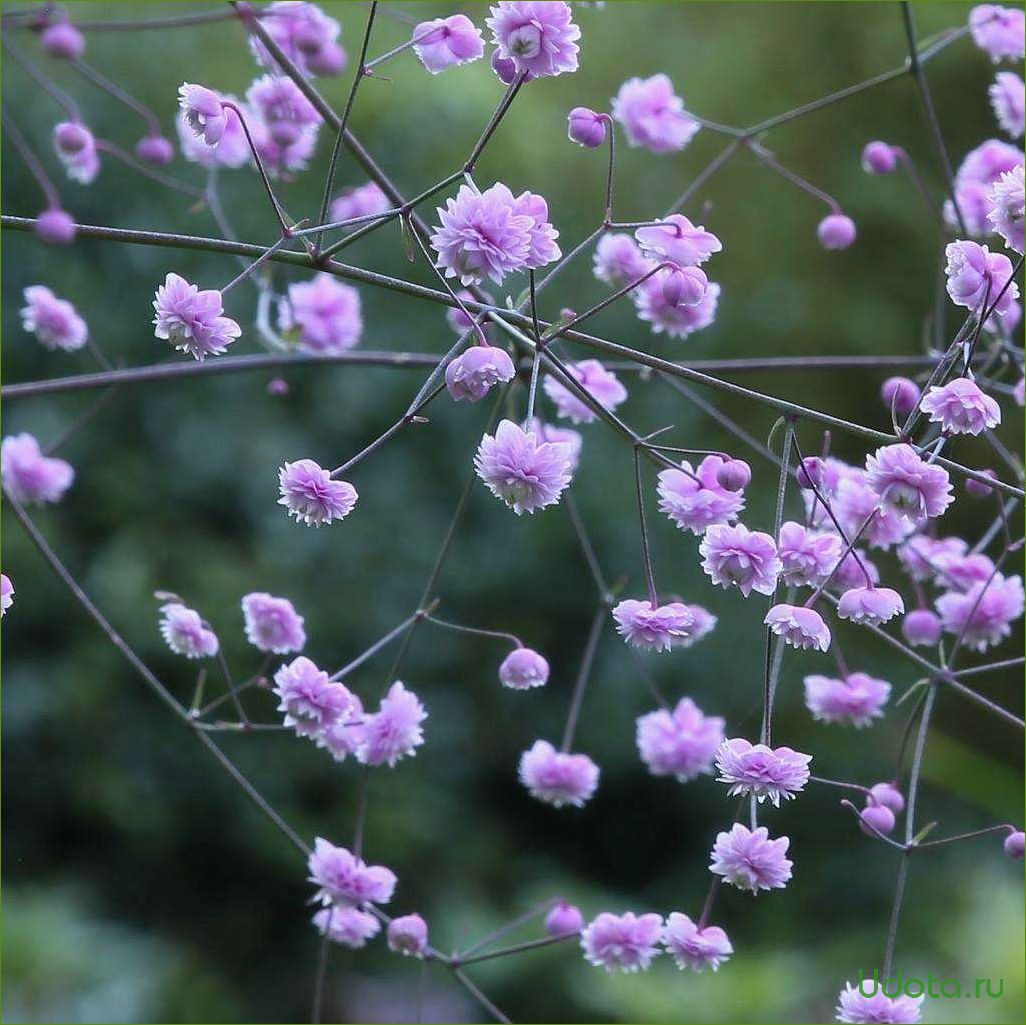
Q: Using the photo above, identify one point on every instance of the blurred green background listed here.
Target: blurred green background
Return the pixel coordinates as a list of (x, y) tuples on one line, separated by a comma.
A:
[(139, 885)]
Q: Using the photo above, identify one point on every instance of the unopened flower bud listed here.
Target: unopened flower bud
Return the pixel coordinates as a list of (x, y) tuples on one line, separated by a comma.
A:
[(734, 475), (586, 128), (837, 231)]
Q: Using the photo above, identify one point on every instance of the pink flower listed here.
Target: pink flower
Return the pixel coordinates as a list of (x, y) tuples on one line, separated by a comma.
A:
[(961, 571), (539, 37), (900, 394), (872, 605), (310, 699), (879, 158), (1008, 98), (677, 321), (750, 860), (977, 276), (63, 40), (346, 880), (979, 170), (854, 1006), (522, 669), (342, 738), (961, 407), (694, 505), (739, 556), (658, 629), (1019, 392), (472, 374), (560, 436), (806, 558), (800, 627), (185, 633), (282, 106), (920, 555), (703, 625), (76, 148), (908, 484), (601, 384), (622, 943), (324, 313), (850, 571), (855, 501), (56, 227), (444, 42), (521, 470), (762, 771), (564, 920), (191, 320), (1006, 202), (349, 927), (394, 731), (888, 795), (681, 742), (54, 322), (679, 241), (858, 699), (985, 612), (309, 493), (586, 127), (652, 115), (306, 35), (272, 624), (998, 31), (921, 628), (407, 935), (618, 260), (6, 594), (204, 112), (30, 476), (359, 201), (694, 947), (557, 777), (231, 150)]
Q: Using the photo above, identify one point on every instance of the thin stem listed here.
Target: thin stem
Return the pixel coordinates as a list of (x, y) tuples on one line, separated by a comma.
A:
[(104, 83), (587, 548), (92, 411), (516, 948), (106, 146), (653, 594), (480, 997), (703, 176), (322, 972), (892, 928), (839, 783), (989, 830), (377, 646), (261, 170), (771, 162), (583, 675), (917, 763), (505, 930), (58, 95), (32, 162)]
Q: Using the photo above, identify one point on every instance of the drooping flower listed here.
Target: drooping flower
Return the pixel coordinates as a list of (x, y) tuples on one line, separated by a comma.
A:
[(324, 313), (658, 629), (858, 699), (977, 276), (622, 943), (983, 615), (873, 605), (30, 476), (272, 624), (539, 37), (305, 34), (907, 483), (876, 818), (310, 699), (679, 241), (879, 158), (618, 260), (349, 927), (185, 633), (900, 394), (762, 771), (800, 627), (735, 555), (309, 493), (677, 321), (921, 556), (853, 1005), (998, 31), (359, 201), (1008, 98), (652, 115), (521, 470), (704, 622), (192, 320), (557, 435), (524, 668), (750, 860), (558, 777), (342, 738), (852, 570), (681, 742), (76, 148), (1006, 213), (888, 795), (806, 557), (695, 947), (395, 730), (959, 571), (204, 112), (601, 384), (586, 127), (346, 880), (961, 407), (6, 594), (282, 106), (836, 231), (407, 935), (855, 502), (475, 371), (445, 42), (55, 322), (564, 920), (921, 628), (231, 150), (694, 505)]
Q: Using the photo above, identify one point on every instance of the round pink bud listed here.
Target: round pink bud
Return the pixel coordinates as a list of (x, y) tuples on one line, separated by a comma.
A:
[(504, 67), (329, 60), (1015, 845), (684, 286), (408, 935), (878, 158), (977, 488), (877, 816), (809, 473), (586, 128), (57, 227), (278, 387), (71, 137), (523, 668), (564, 920), (921, 628), (155, 149), (63, 40), (734, 475), (836, 232), (889, 796), (901, 393)]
